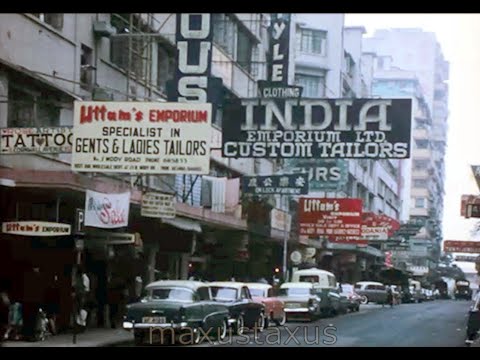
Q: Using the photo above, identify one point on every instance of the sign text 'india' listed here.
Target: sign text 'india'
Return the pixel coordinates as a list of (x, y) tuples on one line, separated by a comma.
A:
[(317, 128), (142, 137)]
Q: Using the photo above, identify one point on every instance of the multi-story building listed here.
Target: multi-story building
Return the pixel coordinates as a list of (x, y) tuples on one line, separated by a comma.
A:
[(410, 64), (48, 61), (330, 63)]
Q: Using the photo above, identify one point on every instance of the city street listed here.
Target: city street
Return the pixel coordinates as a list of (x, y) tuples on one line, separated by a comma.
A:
[(438, 323)]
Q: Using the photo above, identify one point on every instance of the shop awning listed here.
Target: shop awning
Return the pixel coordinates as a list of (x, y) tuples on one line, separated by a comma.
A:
[(184, 224)]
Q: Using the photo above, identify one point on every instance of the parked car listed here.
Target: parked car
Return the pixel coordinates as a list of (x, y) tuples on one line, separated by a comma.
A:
[(178, 306), (354, 299), (244, 312), (301, 300), (473, 323), (326, 285), (274, 307), (371, 291)]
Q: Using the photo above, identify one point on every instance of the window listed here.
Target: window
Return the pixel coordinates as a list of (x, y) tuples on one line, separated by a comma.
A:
[(86, 67), (224, 293), (313, 86), (421, 144), (54, 20), (257, 292), (312, 41), (31, 109), (244, 49), (349, 64), (421, 124), (380, 63), (165, 66), (203, 293), (178, 294), (224, 32), (244, 293), (120, 45), (420, 202), (420, 183), (420, 164)]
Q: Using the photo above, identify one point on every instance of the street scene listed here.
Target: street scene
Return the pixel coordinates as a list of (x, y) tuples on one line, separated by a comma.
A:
[(239, 180)]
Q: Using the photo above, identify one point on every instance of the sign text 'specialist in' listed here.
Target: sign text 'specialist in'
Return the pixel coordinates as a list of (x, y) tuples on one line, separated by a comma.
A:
[(48, 140), (158, 206), (317, 128), (36, 228), (107, 211), (338, 220), (142, 137), (275, 184)]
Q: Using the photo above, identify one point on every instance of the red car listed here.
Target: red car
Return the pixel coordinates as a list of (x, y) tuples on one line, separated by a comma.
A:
[(274, 308)]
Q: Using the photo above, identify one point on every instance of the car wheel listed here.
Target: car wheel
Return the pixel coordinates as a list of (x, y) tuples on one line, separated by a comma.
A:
[(282, 320), (222, 331), (239, 326), (364, 300), (260, 323)]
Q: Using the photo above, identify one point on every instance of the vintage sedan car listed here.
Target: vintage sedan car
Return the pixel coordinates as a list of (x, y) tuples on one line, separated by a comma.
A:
[(353, 298), (244, 312), (371, 291), (176, 310), (274, 307), (302, 300)]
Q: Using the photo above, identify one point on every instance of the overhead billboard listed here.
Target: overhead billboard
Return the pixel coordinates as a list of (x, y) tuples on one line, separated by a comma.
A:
[(472, 247), (338, 220), (317, 128), (141, 137)]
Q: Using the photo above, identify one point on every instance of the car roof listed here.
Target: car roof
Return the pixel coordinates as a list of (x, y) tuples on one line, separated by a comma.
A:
[(232, 284), (193, 285), (368, 283), (304, 285), (259, 286), (313, 271)]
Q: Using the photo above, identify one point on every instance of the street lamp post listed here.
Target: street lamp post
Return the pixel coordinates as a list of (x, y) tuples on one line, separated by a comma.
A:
[(285, 239)]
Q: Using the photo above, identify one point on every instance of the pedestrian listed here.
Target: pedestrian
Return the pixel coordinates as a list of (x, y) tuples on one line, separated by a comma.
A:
[(389, 296), (52, 306), (4, 310), (34, 290)]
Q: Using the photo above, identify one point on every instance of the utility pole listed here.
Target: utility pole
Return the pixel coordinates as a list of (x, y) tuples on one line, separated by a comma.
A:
[(285, 238)]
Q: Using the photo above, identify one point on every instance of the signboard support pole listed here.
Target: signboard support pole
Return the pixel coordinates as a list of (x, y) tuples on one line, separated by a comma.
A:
[(285, 240)]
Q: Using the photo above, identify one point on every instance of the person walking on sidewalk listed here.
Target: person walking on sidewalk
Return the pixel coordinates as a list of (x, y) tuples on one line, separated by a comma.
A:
[(389, 296), (4, 310)]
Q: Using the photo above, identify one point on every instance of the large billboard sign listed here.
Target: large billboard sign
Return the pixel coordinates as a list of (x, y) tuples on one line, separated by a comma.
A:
[(317, 128), (472, 247), (141, 137), (338, 220)]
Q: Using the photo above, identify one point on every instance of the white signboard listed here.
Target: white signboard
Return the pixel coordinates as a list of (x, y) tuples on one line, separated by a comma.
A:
[(35, 228), (106, 211), (279, 218), (375, 233), (158, 206), (142, 137), (53, 140)]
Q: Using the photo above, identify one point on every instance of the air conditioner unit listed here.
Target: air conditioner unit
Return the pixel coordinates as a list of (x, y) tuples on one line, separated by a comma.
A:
[(103, 29)]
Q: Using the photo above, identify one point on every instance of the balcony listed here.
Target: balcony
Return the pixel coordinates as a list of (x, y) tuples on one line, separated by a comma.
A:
[(422, 153), (418, 212), (420, 133)]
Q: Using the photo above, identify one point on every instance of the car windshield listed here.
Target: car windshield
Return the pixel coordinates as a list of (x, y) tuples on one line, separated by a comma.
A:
[(294, 291), (224, 293), (257, 292), (171, 293)]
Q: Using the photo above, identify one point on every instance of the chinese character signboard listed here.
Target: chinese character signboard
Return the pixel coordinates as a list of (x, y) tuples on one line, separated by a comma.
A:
[(472, 247), (275, 184), (142, 137), (339, 220), (158, 206), (106, 210), (49, 140), (323, 174), (317, 128)]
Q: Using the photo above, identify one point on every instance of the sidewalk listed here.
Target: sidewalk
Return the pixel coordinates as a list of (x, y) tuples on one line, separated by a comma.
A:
[(90, 338)]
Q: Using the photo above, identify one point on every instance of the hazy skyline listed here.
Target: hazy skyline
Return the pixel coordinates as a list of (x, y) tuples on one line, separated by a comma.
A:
[(457, 36)]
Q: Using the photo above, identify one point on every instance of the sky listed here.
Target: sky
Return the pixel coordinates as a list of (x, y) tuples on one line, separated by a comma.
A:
[(457, 35)]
